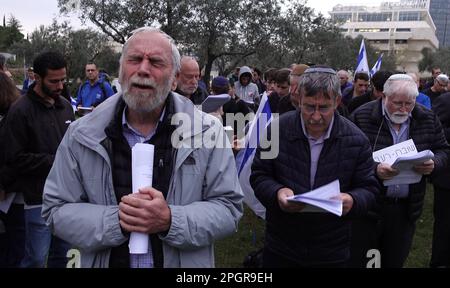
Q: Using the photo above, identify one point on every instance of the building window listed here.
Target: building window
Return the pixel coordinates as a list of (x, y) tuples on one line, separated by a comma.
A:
[(379, 41), (371, 30), (403, 30), (342, 17), (409, 16), (401, 41), (374, 17)]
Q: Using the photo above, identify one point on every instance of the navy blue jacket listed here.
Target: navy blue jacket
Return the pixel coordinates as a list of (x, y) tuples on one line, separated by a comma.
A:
[(314, 238)]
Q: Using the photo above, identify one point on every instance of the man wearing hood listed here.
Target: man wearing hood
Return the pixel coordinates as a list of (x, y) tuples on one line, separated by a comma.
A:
[(245, 89)]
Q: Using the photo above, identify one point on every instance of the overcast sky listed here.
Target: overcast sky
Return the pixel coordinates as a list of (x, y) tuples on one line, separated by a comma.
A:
[(33, 13)]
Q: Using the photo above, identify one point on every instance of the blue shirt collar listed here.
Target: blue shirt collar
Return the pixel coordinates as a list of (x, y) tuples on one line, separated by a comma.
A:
[(127, 126)]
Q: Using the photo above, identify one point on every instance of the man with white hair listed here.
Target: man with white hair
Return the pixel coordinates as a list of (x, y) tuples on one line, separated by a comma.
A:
[(439, 87), (387, 121), (187, 81), (195, 196), (343, 79)]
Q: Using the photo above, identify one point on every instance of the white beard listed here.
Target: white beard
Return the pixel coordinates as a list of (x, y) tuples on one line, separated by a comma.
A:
[(396, 117), (144, 101)]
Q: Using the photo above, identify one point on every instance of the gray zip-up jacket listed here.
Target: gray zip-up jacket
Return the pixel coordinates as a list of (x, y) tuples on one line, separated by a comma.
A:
[(204, 196)]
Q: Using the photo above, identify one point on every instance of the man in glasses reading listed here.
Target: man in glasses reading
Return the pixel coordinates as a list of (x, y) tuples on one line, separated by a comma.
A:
[(316, 147)]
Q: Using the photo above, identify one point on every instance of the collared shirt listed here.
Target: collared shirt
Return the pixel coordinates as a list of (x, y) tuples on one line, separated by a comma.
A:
[(133, 137), (315, 146), (398, 191)]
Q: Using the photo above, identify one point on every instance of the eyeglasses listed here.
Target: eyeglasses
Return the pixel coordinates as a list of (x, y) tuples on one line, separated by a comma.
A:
[(311, 109), (399, 105), (440, 84)]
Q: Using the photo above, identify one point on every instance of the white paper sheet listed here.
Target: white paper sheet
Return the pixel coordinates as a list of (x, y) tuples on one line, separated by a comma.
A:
[(142, 175), (326, 197), (5, 204), (389, 154), (405, 165)]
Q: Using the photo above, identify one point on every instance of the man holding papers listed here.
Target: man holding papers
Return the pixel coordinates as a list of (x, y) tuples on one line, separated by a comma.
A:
[(317, 147), (391, 120), (194, 198)]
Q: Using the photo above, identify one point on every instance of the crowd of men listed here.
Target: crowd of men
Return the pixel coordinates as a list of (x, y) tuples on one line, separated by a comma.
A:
[(70, 180)]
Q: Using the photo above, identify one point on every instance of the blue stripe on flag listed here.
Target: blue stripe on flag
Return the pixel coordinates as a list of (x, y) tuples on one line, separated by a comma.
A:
[(263, 117), (360, 56), (377, 66), (361, 65)]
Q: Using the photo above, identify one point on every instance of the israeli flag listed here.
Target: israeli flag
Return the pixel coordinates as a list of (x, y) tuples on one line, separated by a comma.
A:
[(245, 157), (362, 65), (377, 66), (73, 102)]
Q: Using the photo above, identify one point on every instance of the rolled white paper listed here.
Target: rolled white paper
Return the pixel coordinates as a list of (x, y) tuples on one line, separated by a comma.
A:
[(142, 174)]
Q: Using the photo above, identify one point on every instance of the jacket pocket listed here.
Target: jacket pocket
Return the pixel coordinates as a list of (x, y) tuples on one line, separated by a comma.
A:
[(191, 164)]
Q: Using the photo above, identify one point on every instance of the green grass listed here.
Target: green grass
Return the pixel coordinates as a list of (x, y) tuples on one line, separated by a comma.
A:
[(420, 254), (231, 251)]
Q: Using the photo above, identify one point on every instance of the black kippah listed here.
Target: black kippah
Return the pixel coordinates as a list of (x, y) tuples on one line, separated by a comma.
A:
[(320, 70)]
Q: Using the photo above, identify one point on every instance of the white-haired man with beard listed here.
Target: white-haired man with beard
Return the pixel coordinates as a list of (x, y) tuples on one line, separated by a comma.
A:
[(187, 81), (392, 119), (195, 197)]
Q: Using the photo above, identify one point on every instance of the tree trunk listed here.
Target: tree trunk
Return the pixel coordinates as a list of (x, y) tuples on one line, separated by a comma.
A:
[(208, 67)]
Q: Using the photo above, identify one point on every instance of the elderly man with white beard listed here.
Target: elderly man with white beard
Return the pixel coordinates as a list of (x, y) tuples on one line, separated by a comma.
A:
[(195, 197), (392, 119)]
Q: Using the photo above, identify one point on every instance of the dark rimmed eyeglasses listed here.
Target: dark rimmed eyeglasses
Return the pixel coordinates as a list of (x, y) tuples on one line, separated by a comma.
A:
[(311, 109)]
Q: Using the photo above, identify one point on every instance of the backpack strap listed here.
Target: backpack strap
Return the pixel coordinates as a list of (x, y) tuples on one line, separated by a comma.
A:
[(79, 93), (102, 87)]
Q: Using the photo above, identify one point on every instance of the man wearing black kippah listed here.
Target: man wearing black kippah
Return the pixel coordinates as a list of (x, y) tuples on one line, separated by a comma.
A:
[(317, 146)]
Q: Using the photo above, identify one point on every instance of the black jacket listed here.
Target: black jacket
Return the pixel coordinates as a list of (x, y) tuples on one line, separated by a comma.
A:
[(33, 131), (198, 97), (4, 178), (426, 131), (359, 101), (314, 238), (441, 106)]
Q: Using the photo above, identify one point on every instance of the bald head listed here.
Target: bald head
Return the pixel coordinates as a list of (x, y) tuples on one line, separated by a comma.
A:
[(343, 76), (187, 78), (415, 78)]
